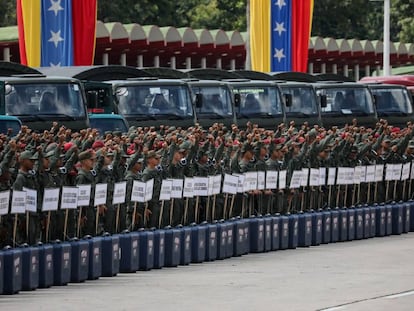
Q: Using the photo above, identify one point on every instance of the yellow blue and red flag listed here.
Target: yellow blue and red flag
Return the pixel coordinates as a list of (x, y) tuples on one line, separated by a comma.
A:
[(279, 34), (56, 32)]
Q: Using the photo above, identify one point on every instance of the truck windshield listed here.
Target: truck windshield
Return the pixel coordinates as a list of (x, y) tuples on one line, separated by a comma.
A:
[(392, 100), (154, 100), (216, 100), (259, 100), (60, 99), (346, 100), (303, 100)]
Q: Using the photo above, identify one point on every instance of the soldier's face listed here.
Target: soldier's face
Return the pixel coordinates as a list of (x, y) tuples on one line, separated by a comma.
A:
[(28, 164)]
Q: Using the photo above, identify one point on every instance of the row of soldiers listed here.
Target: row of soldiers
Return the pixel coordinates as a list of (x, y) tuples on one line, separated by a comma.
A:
[(60, 157)]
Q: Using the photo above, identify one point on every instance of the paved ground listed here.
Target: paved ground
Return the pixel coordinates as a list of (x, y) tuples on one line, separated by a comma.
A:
[(375, 274)]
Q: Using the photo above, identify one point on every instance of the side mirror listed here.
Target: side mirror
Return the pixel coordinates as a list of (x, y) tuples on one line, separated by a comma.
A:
[(288, 99), (323, 101), (199, 100), (237, 100)]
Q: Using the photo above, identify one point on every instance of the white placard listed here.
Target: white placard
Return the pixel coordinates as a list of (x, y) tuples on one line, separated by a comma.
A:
[(314, 177), (282, 179), (119, 193), (217, 184), (188, 191), (210, 185), (322, 176), (240, 183), (84, 195), (405, 171), (18, 202), (350, 172), (379, 172), (305, 177), (250, 181), (389, 172), (101, 191), (230, 184), (70, 198), (138, 191), (412, 170), (271, 180), (51, 199), (261, 180), (363, 174), (357, 175), (397, 171), (342, 174), (31, 200), (177, 188), (331, 176), (166, 186), (370, 177), (201, 186), (149, 190), (295, 181), (4, 202)]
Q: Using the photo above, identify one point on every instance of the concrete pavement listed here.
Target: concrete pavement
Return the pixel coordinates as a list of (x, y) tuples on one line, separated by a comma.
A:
[(374, 274)]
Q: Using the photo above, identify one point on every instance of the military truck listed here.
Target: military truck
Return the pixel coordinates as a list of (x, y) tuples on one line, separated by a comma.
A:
[(39, 100)]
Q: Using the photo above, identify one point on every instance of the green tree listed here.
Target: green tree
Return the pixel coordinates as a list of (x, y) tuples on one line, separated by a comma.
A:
[(8, 17)]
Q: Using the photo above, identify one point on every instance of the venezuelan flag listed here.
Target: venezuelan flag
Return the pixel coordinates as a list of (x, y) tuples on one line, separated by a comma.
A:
[(279, 34), (56, 32)]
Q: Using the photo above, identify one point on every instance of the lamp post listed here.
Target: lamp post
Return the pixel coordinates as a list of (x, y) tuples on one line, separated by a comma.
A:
[(386, 52)]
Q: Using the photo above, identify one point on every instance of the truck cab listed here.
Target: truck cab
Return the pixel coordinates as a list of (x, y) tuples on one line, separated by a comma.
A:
[(39, 100)]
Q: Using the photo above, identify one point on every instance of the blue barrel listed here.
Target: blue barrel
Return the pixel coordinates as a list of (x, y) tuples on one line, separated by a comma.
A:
[(45, 265), (146, 250), (246, 223), (62, 253), (268, 233), (388, 223), (397, 218), (172, 247), (160, 245), (222, 239), (406, 217), (411, 207), (293, 231), (129, 242), (238, 234), (80, 261), (335, 225), (257, 234), (198, 243), (381, 219), (185, 245), (359, 223), (351, 223), (30, 266), (317, 227), (95, 257), (275, 232), (211, 242), (230, 240), (343, 224), (373, 210), (305, 229), (284, 231), (13, 270), (110, 255), (366, 215), (326, 226)]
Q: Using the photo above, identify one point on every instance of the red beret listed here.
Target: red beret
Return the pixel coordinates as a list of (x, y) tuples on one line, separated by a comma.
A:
[(67, 146), (395, 130), (98, 144)]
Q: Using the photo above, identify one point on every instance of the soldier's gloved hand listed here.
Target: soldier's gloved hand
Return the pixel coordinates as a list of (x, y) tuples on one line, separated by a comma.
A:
[(102, 209)]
